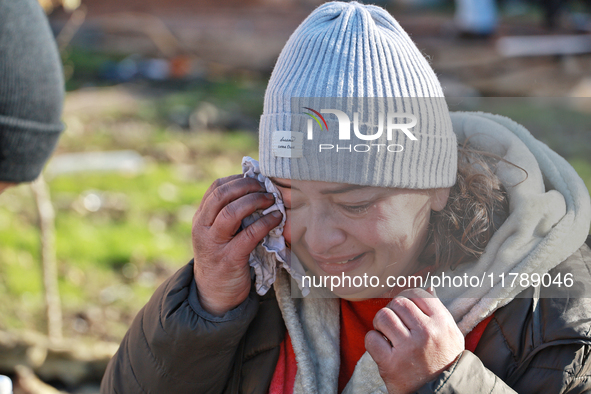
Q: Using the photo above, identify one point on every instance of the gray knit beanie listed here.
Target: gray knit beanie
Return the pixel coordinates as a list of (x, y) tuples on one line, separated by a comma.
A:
[(31, 90), (349, 58)]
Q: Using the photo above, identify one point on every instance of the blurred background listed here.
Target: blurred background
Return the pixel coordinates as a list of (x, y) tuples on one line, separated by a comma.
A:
[(164, 96)]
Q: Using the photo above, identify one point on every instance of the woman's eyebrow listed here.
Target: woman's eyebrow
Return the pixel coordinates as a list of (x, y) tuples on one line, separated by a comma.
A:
[(343, 189), (338, 190)]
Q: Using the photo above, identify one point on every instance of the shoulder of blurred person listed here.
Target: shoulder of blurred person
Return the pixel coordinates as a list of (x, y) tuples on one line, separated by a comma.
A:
[(31, 91)]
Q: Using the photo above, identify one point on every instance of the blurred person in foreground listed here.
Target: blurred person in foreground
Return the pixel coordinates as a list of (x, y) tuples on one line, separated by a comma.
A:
[(31, 92), (31, 97), (472, 193)]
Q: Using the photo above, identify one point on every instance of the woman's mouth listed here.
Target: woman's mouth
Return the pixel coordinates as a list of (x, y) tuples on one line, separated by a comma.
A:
[(345, 265)]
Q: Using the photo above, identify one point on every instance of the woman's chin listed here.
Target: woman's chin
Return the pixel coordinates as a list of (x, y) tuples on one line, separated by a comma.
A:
[(359, 294), (352, 294)]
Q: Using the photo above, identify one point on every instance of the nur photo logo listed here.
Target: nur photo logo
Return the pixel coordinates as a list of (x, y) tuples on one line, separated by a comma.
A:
[(358, 126), (392, 121)]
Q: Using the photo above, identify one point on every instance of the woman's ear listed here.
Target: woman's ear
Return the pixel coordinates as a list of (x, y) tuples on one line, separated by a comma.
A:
[(439, 198)]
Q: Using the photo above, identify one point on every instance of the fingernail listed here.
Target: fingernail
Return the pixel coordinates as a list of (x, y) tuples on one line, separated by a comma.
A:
[(270, 196), (276, 214)]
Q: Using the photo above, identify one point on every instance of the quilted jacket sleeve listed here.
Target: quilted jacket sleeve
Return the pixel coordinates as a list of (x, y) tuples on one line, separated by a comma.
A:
[(556, 369), (467, 375), (174, 346)]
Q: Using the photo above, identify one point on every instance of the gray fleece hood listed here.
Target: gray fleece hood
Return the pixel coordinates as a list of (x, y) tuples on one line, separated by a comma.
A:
[(550, 214)]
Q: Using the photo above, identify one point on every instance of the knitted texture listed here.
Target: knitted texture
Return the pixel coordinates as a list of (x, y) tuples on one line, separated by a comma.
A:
[(31, 90), (350, 50)]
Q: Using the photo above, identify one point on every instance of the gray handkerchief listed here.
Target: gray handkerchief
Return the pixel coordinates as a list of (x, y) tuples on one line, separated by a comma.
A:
[(272, 252)]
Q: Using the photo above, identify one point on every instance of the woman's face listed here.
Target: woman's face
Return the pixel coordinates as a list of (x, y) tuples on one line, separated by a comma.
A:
[(337, 228)]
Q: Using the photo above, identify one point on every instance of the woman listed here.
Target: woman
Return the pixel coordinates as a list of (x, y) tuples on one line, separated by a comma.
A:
[(358, 204)]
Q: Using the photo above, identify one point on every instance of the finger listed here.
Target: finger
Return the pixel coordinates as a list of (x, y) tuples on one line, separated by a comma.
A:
[(219, 182), (409, 313), (389, 324), (426, 302), (223, 195), (247, 239), (436, 303), (228, 221), (431, 290), (378, 348)]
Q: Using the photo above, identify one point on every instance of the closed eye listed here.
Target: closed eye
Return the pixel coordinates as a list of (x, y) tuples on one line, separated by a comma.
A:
[(356, 209)]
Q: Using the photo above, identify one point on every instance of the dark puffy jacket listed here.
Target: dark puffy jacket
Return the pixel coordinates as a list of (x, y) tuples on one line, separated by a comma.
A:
[(532, 345)]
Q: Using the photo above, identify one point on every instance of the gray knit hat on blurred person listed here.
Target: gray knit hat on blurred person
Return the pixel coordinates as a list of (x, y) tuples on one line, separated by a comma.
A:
[(31, 91), (360, 51)]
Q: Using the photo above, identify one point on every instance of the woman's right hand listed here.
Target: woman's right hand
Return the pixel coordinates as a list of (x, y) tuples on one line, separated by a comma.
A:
[(221, 252)]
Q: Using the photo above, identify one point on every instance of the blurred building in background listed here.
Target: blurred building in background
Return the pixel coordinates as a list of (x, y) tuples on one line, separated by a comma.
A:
[(198, 39)]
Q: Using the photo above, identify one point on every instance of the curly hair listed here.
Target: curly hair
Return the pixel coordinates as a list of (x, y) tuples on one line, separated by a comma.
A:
[(476, 208)]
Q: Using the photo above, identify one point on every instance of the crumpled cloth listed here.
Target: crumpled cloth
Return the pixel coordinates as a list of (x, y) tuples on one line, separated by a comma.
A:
[(272, 252)]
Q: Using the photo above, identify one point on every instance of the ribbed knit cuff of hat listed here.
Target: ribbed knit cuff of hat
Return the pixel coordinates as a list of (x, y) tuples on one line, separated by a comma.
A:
[(31, 90), (421, 157), (426, 163), (25, 147)]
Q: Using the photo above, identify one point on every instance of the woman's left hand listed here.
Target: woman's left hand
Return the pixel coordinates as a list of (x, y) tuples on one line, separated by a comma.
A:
[(423, 340)]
